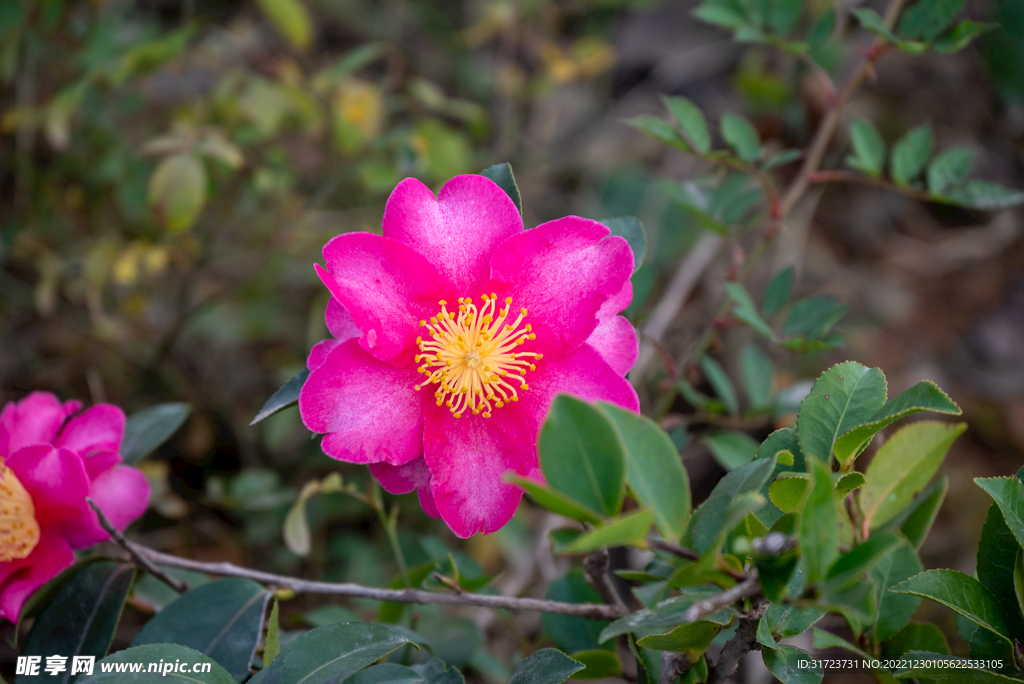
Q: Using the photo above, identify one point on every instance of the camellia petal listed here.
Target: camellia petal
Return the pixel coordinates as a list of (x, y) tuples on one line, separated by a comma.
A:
[(387, 287), (100, 427), (122, 493), (616, 341), (55, 479), (33, 420), (563, 272), (405, 478), (457, 231), (319, 353), (19, 578), (468, 459), (340, 322), (368, 409)]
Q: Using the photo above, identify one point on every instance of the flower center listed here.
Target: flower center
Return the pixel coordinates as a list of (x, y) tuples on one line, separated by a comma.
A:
[(470, 355), (19, 530)]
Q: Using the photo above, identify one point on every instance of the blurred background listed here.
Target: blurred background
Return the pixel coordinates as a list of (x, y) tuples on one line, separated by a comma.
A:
[(170, 170)]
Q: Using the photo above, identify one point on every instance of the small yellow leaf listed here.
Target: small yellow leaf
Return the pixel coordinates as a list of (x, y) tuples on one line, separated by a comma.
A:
[(291, 18), (177, 191)]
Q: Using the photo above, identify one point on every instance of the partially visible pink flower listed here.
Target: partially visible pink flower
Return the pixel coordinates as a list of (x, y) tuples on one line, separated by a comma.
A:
[(50, 461), (453, 332)]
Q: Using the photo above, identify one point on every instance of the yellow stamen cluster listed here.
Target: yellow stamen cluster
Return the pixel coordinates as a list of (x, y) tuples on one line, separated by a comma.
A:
[(19, 531), (471, 355)]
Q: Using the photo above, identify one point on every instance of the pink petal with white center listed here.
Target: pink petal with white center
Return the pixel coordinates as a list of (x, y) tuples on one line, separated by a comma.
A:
[(562, 272), (55, 479), (122, 493), (616, 341), (387, 287), (340, 322), (458, 230), (98, 428), (33, 420), (368, 410), (20, 578), (405, 478), (468, 458)]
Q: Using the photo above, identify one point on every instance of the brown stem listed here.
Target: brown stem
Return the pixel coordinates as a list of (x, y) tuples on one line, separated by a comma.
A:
[(673, 666), (701, 609), (741, 644), (839, 176), (139, 559)]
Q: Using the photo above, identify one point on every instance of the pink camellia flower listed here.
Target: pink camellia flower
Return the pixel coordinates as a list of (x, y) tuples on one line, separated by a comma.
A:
[(50, 461), (453, 332)]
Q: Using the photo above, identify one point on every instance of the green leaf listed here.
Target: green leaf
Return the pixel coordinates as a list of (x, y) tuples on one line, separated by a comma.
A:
[(632, 230), (169, 655), (817, 530), (742, 137), (870, 20), (758, 376), (785, 663), (960, 674), (813, 317), (784, 16), (287, 396), (546, 666), (746, 311), (858, 604), (654, 471), (146, 430), (927, 19), (503, 177), (434, 672), (731, 449), (691, 121), (903, 466), (327, 655), (692, 639), (788, 492), (782, 158), (694, 200), (629, 530), (920, 514), (916, 636), (554, 501), (328, 615), (924, 396), (1008, 493), (962, 593), (985, 196), (848, 482), (177, 191), (707, 521), (660, 130), (894, 610), (222, 619), (910, 154), (565, 631), (42, 596), (291, 18), (823, 639), (961, 36), (787, 621), (582, 455), (858, 561), (868, 148), (1018, 580), (273, 643), (295, 530), (845, 396), (598, 664), (776, 295), (668, 613), (720, 383), (719, 15), (386, 673), (949, 169), (81, 618)]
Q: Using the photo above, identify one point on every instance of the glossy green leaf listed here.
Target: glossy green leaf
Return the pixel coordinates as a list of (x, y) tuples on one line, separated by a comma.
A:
[(546, 666), (858, 561), (916, 519), (1008, 493), (961, 674), (668, 613), (570, 633), (629, 530), (81, 618), (997, 558), (785, 663), (691, 120), (817, 527), (788, 492), (1018, 580), (746, 311), (776, 295), (758, 373), (146, 430), (386, 673), (895, 610), (434, 671), (660, 130), (962, 593), (122, 662), (783, 445), (741, 137), (961, 35), (868, 148), (582, 455), (985, 196), (272, 646), (632, 231), (927, 19), (785, 621), (823, 639), (222, 619), (924, 396), (846, 483), (327, 655), (903, 466), (845, 396), (654, 471), (503, 177), (910, 154), (731, 449), (291, 18), (858, 604), (949, 169), (598, 664), (287, 396), (692, 639), (706, 522), (916, 636), (42, 596), (553, 500), (813, 317)]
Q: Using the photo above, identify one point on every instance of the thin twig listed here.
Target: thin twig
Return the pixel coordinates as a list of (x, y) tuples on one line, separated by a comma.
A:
[(139, 559), (741, 644), (592, 611), (674, 549), (839, 176), (701, 609), (673, 666)]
